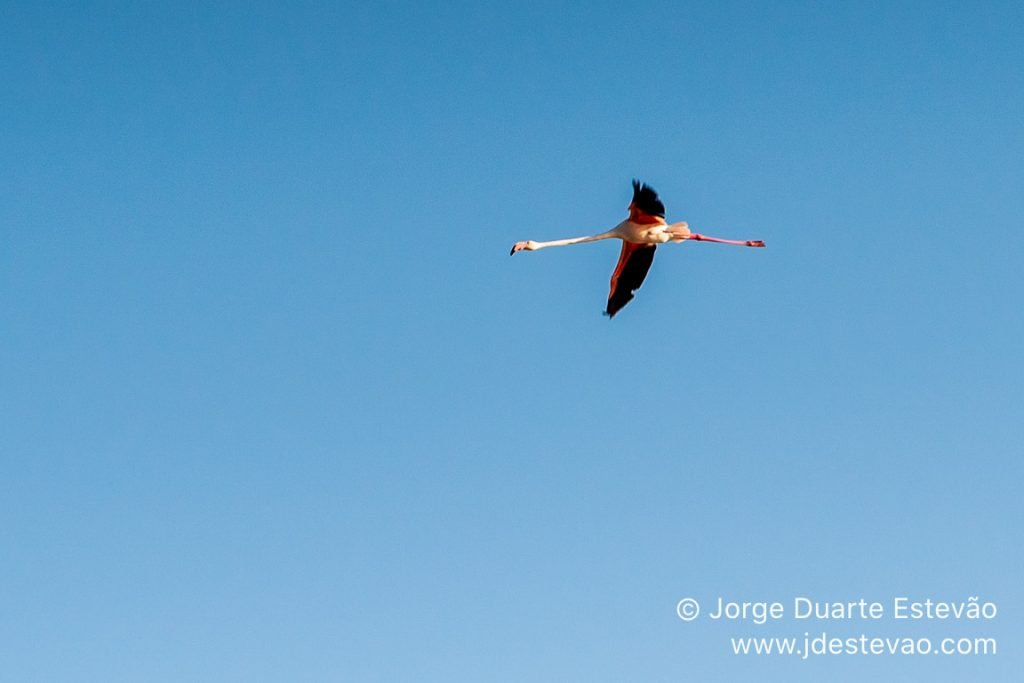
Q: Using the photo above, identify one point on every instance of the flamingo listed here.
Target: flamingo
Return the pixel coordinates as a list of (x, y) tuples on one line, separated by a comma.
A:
[(641, 234)]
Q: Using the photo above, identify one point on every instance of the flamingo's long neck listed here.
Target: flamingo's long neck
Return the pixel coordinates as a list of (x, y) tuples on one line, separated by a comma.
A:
[(576, 240)]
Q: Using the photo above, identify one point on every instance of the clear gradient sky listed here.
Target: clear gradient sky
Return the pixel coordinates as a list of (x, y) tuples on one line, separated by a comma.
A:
[(278, 406)]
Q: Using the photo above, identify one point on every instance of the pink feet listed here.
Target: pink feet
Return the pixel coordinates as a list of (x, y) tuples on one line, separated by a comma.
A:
[(697, 237)]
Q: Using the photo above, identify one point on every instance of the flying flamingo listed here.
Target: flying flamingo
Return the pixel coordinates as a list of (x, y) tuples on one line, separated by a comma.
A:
[(641, 234)]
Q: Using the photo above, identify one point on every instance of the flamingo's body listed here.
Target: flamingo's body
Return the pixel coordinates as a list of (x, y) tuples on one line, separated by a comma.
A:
[(641, 234)]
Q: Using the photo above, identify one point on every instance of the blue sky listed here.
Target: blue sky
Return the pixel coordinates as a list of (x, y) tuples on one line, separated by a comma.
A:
[(279, 406)]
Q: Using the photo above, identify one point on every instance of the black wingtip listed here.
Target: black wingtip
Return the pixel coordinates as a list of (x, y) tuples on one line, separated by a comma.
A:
[(646, 199)]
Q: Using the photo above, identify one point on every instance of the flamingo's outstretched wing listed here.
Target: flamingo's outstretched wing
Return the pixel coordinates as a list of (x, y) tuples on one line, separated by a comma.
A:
[(634, 262), (646, 208)]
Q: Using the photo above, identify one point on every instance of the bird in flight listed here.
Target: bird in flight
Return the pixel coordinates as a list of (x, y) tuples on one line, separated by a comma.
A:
[(641, 234)]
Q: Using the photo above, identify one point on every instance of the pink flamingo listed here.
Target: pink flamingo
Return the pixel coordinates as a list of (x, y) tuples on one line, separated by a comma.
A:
[(641, 233)]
